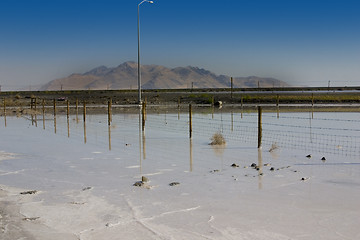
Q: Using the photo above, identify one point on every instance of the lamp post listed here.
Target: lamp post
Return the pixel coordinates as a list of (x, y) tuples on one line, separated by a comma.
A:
[(138, 31)]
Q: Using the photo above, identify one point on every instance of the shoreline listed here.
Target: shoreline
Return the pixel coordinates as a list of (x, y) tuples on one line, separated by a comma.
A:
[(15, 225)]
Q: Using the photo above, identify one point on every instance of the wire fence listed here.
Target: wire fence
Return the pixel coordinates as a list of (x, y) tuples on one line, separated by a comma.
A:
[(326, 132)]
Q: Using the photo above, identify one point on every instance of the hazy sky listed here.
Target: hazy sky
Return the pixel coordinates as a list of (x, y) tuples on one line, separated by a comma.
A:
[(303, 42)]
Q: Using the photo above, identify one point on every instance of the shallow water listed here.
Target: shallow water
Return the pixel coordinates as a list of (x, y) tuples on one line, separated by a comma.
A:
[(92, 163)]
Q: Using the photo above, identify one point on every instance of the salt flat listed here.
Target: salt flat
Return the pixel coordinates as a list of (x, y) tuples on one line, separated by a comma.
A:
[(85, 190)]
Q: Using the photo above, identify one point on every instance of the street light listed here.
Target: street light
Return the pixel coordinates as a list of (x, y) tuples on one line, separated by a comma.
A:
[(138, 28)]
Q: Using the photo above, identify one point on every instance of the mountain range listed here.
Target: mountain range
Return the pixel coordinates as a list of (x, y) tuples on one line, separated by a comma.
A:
[(124, 76)]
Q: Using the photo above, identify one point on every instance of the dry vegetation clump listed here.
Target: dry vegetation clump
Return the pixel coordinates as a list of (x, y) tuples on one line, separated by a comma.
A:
[(217, 139), (274, 146)]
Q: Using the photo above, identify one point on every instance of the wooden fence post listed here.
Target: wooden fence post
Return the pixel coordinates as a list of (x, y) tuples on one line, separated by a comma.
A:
[(259, 126)]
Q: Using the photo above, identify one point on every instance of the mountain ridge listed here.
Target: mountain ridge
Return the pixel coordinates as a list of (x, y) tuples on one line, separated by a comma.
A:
[(124, 76)]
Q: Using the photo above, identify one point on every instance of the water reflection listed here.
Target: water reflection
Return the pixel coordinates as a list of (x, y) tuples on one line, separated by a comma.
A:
[(260, 166), (43, 113), (219, 152), (5, 111), (143, 144), (191, 155), (68, 126), (328, 133), (109, 133), (85, 132), (232, 121), (55, 123), (140, 140), (84, 117)]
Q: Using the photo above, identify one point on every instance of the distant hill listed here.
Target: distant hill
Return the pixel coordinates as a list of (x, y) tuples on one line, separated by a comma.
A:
[(154, 77)]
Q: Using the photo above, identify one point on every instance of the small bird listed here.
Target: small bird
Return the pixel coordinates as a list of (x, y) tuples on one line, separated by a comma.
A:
[(308, 156)]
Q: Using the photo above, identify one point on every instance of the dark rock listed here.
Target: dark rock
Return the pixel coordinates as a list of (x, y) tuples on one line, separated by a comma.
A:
[(29, 192), (174, 184), (272, 169), (139, 184), (87, 188), (308, 156), (234, 165), (144, 179), (323, 159), (253, 165)]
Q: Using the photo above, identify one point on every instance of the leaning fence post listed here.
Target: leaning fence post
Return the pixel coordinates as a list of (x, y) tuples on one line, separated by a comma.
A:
[(259, 126), (190, 121)]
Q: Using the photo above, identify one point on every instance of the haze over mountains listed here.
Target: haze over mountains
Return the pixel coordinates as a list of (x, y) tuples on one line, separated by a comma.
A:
[(155, 77)]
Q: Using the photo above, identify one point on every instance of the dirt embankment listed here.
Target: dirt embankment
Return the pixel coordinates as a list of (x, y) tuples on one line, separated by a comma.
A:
[(159, 97)]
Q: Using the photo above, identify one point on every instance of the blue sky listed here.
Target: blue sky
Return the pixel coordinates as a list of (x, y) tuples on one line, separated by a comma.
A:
[(303, 42)]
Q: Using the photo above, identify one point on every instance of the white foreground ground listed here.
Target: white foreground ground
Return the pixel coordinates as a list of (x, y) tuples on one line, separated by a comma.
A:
[(85, 191)]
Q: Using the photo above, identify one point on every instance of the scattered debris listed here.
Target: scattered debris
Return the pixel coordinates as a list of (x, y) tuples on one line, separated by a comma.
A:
[(77, 203), (215, 170), (29, 192), (86, 188), (174, 184), (267, 164), (217, 139), (234, 165), (30, 218), (218, 104), (144, 179), (143, 183), (139, 184)]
